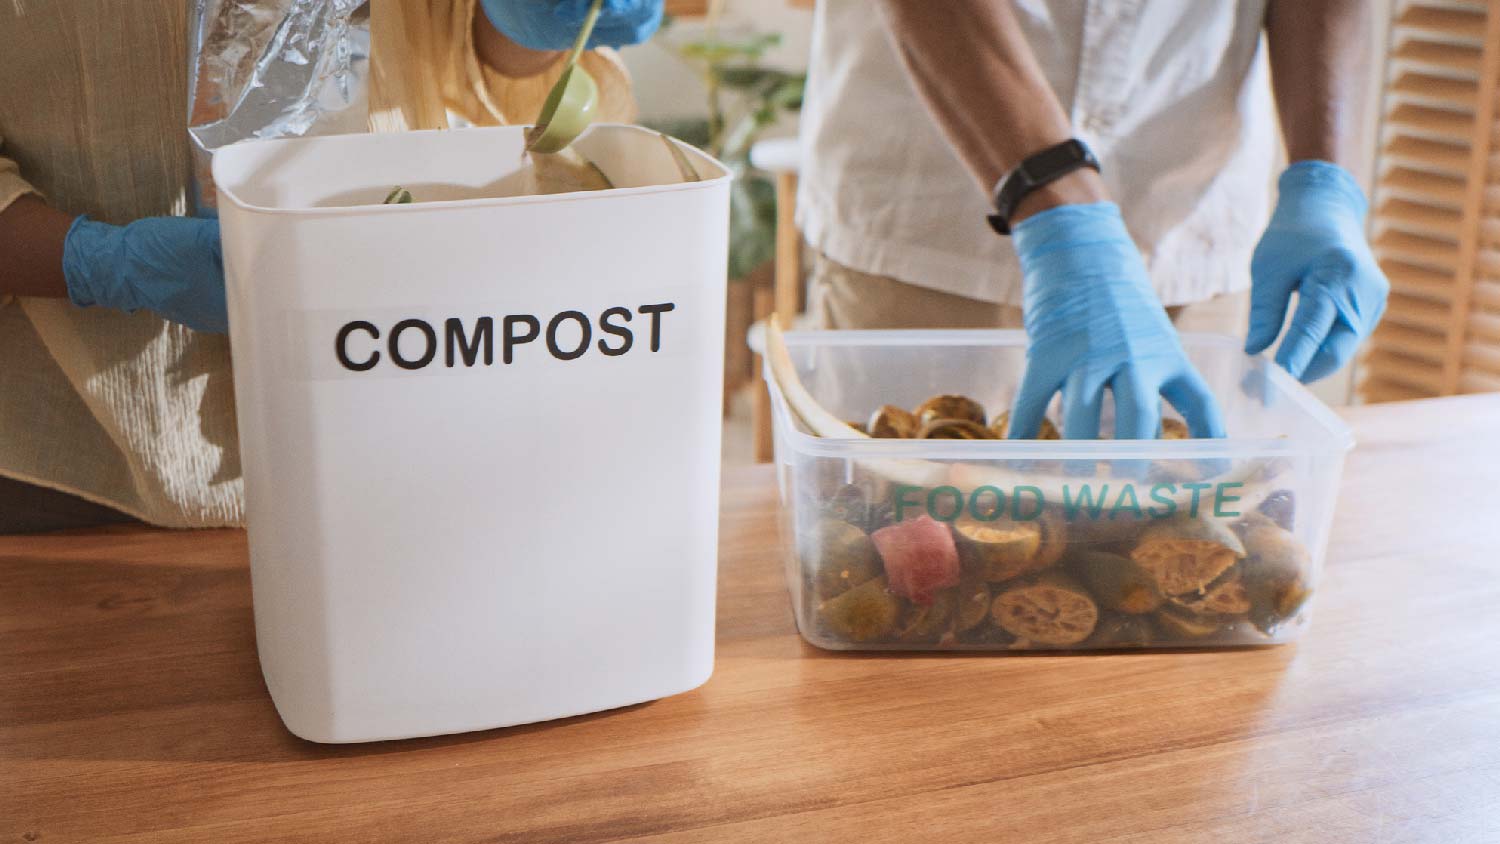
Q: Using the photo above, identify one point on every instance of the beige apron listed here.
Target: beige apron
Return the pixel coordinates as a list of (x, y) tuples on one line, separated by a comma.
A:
[(131, 411)]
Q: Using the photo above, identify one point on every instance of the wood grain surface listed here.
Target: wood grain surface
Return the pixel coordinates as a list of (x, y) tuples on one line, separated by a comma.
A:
[(132, 708)]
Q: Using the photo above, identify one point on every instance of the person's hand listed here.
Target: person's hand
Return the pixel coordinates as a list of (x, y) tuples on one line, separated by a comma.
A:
[(554, 24), (1316, 246), (170, 265), (1093, 321)]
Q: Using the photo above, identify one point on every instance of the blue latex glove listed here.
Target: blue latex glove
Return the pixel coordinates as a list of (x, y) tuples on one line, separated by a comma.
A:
[(553, 24), (170, 265), (1093, 321), (1316, 246)]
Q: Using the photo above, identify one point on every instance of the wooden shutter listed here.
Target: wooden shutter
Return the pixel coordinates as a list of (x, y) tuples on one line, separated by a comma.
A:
[(1436, 226)]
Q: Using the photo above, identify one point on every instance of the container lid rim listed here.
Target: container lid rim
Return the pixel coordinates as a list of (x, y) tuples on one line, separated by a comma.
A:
[(227, 192)]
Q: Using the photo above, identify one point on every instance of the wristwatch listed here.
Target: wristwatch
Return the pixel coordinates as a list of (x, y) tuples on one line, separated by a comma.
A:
[(1036, 170)]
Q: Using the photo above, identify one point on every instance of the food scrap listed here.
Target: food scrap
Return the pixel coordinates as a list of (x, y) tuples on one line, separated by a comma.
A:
[(987, 579), (919, 556), (955, 417)]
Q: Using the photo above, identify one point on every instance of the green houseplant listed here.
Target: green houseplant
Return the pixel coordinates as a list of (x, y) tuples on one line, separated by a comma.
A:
[(744, 99)]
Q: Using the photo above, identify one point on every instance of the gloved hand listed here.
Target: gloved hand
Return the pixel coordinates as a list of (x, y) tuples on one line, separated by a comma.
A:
[(1093, 321), (1316, 246), (554, 24), (170, 265)]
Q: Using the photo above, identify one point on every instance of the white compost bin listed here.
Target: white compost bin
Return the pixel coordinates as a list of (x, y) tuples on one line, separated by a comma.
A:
[(480, 435)]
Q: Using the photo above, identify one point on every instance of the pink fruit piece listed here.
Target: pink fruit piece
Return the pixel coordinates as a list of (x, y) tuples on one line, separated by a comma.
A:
[(920, 557)]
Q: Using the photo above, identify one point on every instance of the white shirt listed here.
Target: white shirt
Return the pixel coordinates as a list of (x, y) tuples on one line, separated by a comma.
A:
[(1172, 96)]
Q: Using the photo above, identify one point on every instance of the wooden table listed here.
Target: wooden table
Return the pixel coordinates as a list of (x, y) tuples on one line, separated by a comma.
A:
[(132, 709)]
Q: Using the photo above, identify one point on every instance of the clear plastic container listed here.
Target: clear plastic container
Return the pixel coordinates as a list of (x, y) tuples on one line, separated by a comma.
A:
[(991, 544)]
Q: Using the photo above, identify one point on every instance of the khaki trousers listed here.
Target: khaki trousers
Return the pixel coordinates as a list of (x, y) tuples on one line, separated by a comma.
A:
[(844, 298)]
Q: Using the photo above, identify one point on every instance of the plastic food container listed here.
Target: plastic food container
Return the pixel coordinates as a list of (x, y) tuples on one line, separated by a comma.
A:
[(958, 544), (480, 435)]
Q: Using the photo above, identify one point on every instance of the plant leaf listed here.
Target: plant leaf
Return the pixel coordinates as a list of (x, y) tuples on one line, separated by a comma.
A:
[(718, 49), (789, 92), (751, 77), (689, 130), (752, 223)]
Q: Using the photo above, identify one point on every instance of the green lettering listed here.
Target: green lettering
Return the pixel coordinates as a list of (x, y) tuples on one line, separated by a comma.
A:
[(1085, 501), (1161, 494), (987, 514), (1015, 503), (958, 502), (1134, 506), (899, 502), (1197, 489), (1220, 499)]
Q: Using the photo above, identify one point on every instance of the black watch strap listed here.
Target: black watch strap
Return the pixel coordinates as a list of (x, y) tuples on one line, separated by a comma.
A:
[(1036, 170)]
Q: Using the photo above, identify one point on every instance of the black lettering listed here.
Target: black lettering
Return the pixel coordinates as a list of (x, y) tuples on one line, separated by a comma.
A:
[(394, 344), (512, 339), (583, 342), (656, 311), (340, 349), (484, 332), (621, 331)]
